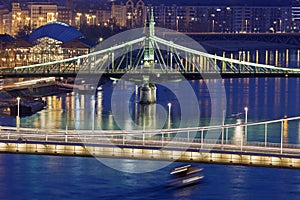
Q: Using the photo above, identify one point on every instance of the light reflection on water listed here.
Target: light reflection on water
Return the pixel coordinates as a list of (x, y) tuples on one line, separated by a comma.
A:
[(238, 133), (276, 57), (266, 98)]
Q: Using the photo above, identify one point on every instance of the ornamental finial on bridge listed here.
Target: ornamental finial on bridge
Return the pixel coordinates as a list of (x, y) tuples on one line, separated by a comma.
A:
[(150, 23), (148, 47)]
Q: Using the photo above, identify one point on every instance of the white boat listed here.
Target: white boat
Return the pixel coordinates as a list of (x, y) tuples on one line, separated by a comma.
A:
[(180, 169), (185, 175)]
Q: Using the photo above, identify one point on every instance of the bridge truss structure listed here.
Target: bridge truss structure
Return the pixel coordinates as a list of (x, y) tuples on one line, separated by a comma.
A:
[(152, 55)]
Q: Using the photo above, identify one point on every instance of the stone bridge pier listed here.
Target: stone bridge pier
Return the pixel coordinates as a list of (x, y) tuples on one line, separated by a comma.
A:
[(148, 93)]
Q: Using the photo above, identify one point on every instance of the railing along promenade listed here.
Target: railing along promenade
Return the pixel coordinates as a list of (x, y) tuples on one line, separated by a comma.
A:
[(183, 144)]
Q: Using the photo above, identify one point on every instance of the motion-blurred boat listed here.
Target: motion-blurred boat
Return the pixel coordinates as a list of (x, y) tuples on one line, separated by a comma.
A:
[(185, 175)]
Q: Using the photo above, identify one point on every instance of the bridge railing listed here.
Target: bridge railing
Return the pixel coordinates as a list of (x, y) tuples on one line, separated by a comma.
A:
[(194, 137)]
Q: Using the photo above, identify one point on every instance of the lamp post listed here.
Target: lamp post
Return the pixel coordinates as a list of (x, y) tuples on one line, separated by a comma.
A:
[(280, 25), (247, 26), (18, 100), (223, 123), (93, 115), (213, 23), (169, 115), (169, 119), (177, 23), (18, 113), (246, 121), (66, 120)]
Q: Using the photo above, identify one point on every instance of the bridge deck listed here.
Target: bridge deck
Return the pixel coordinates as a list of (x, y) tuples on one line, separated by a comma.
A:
[(251, 156), (154, 147)]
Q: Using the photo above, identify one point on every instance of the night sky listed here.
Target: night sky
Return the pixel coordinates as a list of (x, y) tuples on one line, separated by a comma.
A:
[(181, 2), (221, 2)]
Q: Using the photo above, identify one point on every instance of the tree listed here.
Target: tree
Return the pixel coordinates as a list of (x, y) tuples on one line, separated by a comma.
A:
[(23, 32), (94, 32)]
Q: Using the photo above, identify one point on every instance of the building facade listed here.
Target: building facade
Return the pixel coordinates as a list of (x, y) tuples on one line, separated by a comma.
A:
[(50, 42), (132, 14), (103, 17), (41, 14), (238, 19), (296, 15)]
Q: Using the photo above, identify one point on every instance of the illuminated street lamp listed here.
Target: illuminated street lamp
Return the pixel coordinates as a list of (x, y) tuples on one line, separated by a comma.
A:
[(93, 115), (18, 113), (280, 25), (177, 23), (246, 121), (169, 115), (18, 100), (169, 119), (213, 23), (223, 123), (246, 26)]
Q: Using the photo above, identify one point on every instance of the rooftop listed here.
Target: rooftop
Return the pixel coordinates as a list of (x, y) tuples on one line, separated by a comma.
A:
[(5, 38), (56, 30)]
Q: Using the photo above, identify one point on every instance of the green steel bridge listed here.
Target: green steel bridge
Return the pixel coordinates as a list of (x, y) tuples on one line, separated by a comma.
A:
[(151, 55), (192, 64)]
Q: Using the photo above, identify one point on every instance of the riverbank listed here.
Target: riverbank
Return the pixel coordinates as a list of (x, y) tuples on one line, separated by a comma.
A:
[(30, 99)]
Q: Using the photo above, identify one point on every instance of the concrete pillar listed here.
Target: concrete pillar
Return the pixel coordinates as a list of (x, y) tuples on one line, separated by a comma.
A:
[(148, 93)]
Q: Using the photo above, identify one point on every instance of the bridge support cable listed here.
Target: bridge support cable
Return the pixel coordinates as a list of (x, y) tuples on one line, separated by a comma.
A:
[(233, 61), (116, 61), (120, 62), (52, 63), (179, 61), (138, 59), (195, 64), (186, 61), (100, 64), (171, 60), (231, 67), (112, 56), (130, 57), (159, 56)]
